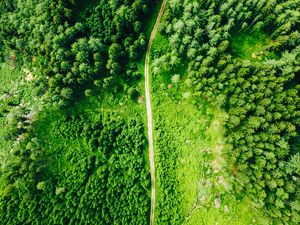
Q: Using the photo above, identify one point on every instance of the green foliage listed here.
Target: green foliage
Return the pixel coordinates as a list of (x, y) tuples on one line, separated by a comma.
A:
[(260, 91), (70, 52), (7, 77), (251, 46), (77, 168), (104, 182), (73, 169), (189, 139)]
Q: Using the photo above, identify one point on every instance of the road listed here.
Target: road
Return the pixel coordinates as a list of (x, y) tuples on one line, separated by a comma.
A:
[(149, 112)]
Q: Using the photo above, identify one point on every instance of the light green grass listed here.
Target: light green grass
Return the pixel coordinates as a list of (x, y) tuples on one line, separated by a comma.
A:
[(8, 77), (192, 133), (160, 42), (187, 127), (240, 213), (245, 44)]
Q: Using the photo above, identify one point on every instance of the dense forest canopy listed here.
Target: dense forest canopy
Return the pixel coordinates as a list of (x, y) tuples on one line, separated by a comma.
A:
[(72, 49)]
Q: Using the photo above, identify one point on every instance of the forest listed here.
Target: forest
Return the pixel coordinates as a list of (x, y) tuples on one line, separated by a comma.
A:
[(225, 93), (97, 183), (73, 45), (62, 161), (244, 58)]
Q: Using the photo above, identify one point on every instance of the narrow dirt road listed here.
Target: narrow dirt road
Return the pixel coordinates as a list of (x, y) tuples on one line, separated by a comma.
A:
[(149, 112)]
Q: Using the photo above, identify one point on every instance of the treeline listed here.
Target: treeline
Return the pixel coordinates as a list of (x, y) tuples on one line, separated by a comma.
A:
[(104, 183), (261, 97), (75, 46)]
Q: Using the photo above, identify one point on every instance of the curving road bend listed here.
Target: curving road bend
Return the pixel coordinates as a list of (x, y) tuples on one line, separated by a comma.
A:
[(149, 111)]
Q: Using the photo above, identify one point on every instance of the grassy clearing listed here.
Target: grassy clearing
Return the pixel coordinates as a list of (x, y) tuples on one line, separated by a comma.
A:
[(252, 46), (233, 213), (186, 126), (194, 133), (8, 77), (195, 130)]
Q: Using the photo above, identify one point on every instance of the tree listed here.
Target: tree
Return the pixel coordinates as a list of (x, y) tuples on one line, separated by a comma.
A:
[(66, 93), (88, 92), (175, 79), (115, 52), (293, 165)]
